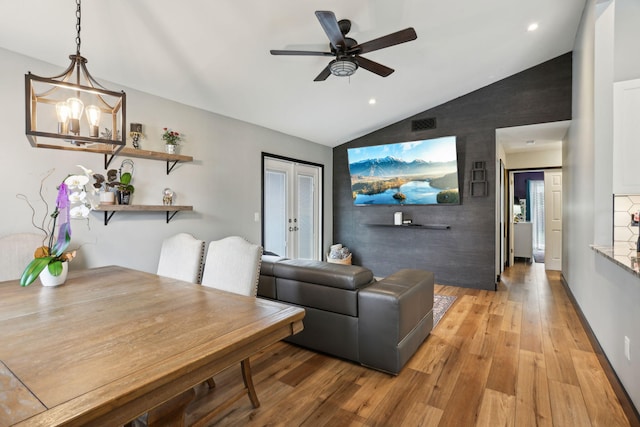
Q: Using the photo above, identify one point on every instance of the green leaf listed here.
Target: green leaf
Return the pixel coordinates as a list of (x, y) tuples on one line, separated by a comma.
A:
[(125, 178), (55, 268), (33, 270)]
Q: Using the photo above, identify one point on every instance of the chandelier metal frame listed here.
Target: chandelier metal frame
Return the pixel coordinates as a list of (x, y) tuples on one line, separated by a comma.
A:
[(42, 94)]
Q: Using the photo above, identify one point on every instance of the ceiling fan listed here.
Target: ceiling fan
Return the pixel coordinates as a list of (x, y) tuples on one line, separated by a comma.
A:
[(347, 51)]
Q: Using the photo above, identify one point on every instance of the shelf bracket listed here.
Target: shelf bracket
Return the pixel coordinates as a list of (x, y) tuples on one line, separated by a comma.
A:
[(109, 157), (170, 215), (107, 216), (173, 165)]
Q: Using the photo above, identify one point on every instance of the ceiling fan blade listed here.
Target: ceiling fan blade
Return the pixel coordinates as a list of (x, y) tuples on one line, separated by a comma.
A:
[(331, 28), (374, 67), (300, 52), (392, 39), (323, 75)]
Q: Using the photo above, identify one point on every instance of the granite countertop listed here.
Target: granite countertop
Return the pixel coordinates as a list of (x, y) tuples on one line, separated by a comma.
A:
[(628, 259)]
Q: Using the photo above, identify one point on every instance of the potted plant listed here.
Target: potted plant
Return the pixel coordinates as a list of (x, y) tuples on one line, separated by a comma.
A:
[(125, 189), (50, 260), (106, 186), (122, 188), (171, 140)]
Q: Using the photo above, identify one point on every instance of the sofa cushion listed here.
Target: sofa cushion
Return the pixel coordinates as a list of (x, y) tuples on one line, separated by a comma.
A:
[(349, 277), (327, 298)]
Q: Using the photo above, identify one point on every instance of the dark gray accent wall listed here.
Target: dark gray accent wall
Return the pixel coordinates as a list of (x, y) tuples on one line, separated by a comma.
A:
[(464, 254)]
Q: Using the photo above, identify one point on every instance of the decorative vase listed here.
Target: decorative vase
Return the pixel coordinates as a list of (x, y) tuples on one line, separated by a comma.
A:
[(170, 148), (48, 279), (124, 197), (107, 198)]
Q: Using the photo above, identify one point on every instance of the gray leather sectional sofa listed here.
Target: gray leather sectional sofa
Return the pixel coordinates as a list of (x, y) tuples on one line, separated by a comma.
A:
[(349, 314)]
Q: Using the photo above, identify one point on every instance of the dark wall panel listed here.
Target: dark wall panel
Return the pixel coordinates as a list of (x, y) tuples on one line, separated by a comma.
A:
[(464, 254)]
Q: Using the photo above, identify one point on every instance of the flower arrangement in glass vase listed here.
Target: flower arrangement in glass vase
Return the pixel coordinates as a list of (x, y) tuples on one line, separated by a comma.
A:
[(171, 138), (72, 202)]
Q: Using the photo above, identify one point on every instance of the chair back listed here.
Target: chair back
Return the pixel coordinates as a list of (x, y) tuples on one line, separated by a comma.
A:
[(16, 251), (181, 257), (233, 265)]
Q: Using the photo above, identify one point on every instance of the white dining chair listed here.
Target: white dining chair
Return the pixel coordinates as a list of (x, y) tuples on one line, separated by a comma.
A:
[(17, 251), (233, 265), (181, 257)]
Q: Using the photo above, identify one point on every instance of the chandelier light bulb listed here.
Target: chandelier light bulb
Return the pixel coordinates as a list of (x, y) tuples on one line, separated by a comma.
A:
[(93, 116), (62, 111), (75, 112)]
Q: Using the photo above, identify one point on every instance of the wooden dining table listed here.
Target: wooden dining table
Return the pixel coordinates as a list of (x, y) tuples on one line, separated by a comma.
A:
[(113, 343)]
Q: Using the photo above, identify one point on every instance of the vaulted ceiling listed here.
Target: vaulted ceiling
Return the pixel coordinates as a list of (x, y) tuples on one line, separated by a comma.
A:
[(215, 55)]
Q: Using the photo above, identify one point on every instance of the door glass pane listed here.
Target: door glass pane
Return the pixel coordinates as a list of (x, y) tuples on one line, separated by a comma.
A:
[(275, 212), (305, 217)]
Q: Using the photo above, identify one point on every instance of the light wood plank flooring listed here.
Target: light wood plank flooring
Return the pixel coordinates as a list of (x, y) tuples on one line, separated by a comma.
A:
[(515, 357)]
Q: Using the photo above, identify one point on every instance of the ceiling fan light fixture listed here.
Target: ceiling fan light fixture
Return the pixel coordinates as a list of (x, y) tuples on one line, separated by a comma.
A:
[(343, 67)]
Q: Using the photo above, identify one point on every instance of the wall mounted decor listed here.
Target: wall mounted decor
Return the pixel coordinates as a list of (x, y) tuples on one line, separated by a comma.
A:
[(479, 184)]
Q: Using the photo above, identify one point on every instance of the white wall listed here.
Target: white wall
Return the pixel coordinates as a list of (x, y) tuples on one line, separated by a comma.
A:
[(534, 159), (608, 296), (627, 34), (223, 183)]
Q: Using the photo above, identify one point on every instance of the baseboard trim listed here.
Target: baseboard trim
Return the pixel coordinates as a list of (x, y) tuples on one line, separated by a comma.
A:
[(625, 401)]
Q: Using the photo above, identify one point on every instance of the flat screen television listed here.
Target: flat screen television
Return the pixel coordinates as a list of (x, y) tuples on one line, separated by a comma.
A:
[(421, 172)]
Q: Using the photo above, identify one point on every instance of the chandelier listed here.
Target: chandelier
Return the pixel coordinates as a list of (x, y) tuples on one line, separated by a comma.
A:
[(55, 107)]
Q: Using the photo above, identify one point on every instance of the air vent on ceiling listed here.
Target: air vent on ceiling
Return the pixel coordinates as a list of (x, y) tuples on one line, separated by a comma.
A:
[(423, 124)]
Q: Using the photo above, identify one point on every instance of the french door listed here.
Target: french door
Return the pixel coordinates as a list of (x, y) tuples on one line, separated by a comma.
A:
[(292, 208)]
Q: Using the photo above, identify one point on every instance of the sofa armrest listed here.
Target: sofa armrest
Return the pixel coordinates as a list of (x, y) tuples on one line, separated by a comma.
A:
[(395, 316)]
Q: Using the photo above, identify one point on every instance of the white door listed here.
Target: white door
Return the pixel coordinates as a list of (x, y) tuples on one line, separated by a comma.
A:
[(292, 214), (553, 219)]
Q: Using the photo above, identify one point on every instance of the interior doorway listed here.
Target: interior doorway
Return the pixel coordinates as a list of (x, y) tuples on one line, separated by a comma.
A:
[(535, 147), (528, 205), (536, 212)]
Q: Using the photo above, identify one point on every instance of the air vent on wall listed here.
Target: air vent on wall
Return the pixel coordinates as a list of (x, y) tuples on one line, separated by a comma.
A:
[(423, 124)]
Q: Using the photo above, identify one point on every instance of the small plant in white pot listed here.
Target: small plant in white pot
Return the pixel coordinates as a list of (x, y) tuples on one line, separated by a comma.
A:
[(171, 139)]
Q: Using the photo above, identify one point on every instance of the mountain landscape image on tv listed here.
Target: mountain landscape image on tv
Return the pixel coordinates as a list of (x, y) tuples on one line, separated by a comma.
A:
[(405, 173)]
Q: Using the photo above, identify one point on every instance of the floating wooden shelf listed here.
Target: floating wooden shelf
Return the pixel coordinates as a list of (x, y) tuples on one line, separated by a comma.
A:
[(171, 159), (171, 211), (423, 226), (117, 150)]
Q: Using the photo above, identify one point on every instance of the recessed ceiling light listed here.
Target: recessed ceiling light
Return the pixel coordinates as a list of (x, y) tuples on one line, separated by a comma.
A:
[(372, 101), (532, 27)]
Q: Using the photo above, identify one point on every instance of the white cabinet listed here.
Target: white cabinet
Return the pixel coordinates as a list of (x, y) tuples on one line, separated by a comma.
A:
[(523, 239), (626, 128)]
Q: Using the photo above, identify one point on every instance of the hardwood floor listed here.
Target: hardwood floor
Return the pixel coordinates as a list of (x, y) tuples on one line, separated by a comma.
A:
[(515, 357)]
